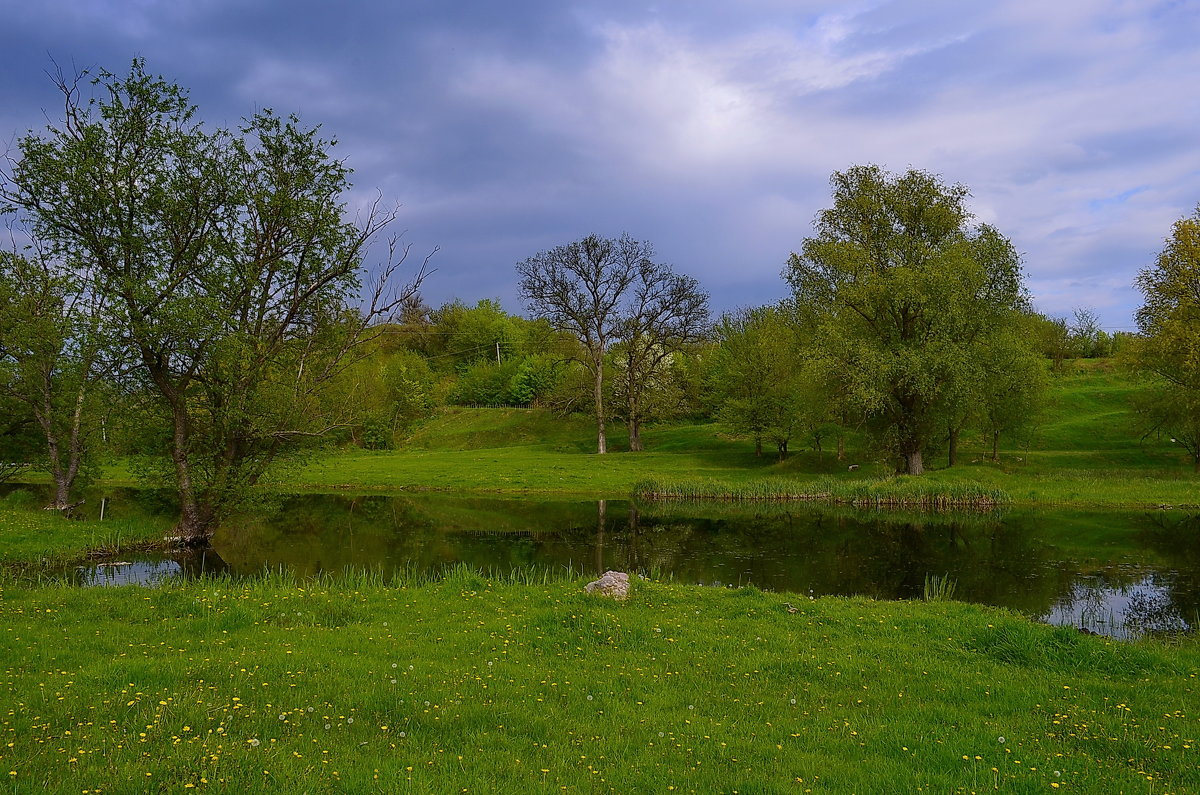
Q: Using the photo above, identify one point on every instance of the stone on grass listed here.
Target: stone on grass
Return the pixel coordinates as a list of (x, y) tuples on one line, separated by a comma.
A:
[(611, 583)]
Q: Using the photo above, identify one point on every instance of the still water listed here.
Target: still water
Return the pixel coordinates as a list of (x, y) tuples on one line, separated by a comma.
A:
[(1115, 573)]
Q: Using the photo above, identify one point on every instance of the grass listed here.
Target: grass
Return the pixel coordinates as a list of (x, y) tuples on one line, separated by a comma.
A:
[(490, 685), (31, 538)]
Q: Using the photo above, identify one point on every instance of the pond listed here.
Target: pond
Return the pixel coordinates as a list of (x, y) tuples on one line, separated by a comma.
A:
[(1114, 573)]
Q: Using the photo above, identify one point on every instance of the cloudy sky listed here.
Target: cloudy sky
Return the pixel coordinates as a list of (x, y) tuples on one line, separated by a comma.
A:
[(709, 128)]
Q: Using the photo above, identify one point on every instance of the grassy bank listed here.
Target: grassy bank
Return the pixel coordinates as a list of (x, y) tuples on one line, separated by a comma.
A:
[(479, 686), (31, 538), (1085, 451)]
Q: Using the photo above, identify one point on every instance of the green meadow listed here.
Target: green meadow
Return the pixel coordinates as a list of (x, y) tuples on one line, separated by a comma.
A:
[(470, 684)]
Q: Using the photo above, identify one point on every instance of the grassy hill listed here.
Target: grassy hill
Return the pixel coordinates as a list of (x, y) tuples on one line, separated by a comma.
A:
[(1085, 450)]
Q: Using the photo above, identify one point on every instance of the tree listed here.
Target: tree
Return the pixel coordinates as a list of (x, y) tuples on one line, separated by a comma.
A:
[(668, 312), (1011, 385), (1088, 340), (757, 377), (57, 357), (1052, 337), (1168, 349), (227, 265), (901, 292), (579, 287)]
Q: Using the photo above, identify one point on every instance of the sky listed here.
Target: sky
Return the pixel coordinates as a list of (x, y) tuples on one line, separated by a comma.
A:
[(708, 128)]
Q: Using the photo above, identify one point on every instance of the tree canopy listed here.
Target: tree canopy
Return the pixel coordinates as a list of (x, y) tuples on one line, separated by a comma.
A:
[(902, 293)]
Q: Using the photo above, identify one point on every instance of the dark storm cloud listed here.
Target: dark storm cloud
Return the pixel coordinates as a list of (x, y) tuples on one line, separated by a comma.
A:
[(709, 128)]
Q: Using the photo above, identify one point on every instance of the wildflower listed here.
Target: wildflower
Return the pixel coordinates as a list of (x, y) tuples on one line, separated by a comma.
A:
[(793, 702), (394, 665), (254, 742), (589, 697), (327, 726), (349, 720), (1001, 740), (283, 717)]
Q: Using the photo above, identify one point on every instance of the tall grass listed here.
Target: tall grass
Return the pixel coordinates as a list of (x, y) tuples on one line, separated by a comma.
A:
[(899, 492), (939, 588)]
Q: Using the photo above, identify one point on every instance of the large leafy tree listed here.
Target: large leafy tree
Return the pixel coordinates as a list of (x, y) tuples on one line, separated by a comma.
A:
[(1168, 348), (901, 292), (225, 260)]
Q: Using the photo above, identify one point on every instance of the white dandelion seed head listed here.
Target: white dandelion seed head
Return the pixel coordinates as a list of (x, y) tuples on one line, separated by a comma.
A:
[(1000, 739), (349, 720)]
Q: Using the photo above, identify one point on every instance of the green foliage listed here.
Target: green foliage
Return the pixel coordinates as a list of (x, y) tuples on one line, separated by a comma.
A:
[(58, 358), (760, 381), (486, 384)]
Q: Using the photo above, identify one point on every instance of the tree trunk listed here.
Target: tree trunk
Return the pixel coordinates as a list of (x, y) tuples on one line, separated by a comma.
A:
[(63, 472), (758, 447), (996, 445), (952, 455), (601, 526), (635, 435), (601, 442), (196, 519), (841, 455), (913, 464), (783, 451)]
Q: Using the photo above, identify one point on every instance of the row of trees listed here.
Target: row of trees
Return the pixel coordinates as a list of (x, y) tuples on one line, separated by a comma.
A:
[(903, 319)]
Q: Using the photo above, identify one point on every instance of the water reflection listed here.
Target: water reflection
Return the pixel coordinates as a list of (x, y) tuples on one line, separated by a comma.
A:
[(149, 570), (1115, 573)]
